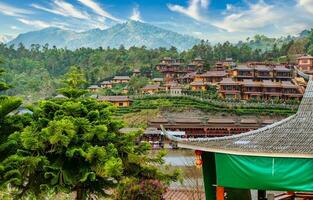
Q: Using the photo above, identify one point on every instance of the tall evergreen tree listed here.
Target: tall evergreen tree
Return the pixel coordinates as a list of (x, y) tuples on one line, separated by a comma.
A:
[(74, 144), (7, 105)]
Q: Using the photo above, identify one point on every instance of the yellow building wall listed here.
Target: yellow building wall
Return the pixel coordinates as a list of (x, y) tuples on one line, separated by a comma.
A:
[(197, 78), (123, 104)]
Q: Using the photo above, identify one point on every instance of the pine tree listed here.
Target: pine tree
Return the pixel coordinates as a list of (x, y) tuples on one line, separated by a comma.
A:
[(7, 105), (74, 144)]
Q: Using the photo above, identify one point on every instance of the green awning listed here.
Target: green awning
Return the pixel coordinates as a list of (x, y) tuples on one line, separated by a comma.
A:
[(265, 173)]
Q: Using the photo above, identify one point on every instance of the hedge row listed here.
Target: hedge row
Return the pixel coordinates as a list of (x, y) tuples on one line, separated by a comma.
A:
[(172, 103)]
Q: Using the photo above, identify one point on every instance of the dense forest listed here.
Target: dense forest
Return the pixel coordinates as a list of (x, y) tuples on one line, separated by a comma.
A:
[(36, 72)]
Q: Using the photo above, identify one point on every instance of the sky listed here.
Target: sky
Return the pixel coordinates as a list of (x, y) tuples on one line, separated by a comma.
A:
[(213, 20)]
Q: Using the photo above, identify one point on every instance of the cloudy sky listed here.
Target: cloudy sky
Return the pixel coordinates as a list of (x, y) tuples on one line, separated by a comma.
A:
[(215, 20)]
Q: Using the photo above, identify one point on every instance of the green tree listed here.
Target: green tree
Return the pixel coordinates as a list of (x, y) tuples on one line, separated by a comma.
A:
[(7, 123), (73, 144), (136, 83)]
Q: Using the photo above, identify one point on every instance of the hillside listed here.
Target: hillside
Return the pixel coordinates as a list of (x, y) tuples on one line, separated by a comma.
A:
[(131, 33)]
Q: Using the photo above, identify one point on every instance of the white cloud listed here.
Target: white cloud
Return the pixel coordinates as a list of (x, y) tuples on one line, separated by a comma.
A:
[(97, 9), (13, 11), (14, 28), (193, 10), (35, 23), (256, 16), (136, 14), (295, 28), (306, 5), (60, 7)]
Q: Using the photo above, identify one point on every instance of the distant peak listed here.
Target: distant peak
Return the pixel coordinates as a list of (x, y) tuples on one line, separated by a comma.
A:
[(52, 28), (134, 22)]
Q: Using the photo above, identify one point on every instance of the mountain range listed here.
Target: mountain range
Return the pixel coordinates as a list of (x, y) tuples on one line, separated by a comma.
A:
[(130, 33)]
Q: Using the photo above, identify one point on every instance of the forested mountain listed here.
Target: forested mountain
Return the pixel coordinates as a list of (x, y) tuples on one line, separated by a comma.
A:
[(35, 72), (131, 33)]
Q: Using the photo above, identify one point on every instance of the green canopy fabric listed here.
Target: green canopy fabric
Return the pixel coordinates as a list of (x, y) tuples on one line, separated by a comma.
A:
[(264, 173)]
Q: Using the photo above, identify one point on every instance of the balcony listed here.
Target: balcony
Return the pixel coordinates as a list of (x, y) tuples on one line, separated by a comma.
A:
[(245, 75), (229, 91)]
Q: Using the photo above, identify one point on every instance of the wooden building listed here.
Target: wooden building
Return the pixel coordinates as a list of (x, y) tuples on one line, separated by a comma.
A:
[(243, 72), (251, 90), (196, 64), (171, 68), (151, 89), (120, 79), (219, 66), (262, 72), (93, 88), (169, 85), (282, 73), (255, 90), (119, 101), (106, 84), (214, 127), (176, 90), (271, 90), (187, 78), (275, 73), (174, 69), (198, 86), (158, 81), (136, 72), (305, 64), (212, 77), (228, 63), (229, 89), (291, 91)]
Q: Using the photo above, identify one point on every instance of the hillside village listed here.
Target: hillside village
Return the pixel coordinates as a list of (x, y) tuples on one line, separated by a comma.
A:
[(227, 80)]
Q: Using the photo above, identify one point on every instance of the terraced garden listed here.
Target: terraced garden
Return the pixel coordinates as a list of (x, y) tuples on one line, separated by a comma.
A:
[(177, 103)]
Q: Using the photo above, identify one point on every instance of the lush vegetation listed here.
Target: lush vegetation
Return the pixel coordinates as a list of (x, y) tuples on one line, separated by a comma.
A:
[(73, 144), (180, 103), (36, 72)]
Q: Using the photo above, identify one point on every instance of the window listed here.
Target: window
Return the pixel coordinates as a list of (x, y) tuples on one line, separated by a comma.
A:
[(120, 104)]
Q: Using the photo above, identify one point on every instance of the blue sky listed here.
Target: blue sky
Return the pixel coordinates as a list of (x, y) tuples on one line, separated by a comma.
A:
[(215, 20)]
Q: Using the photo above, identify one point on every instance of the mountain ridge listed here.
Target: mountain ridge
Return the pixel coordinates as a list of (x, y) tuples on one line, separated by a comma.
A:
[(131, 33)]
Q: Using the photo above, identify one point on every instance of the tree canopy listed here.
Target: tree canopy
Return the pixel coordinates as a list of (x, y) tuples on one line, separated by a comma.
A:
[(36, 72), (73, 144)]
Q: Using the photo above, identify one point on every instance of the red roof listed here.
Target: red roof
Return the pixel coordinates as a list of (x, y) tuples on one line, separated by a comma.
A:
[(114, 98), (214, 74), (121, 78), (228, 81), (198, 83), (250, 83), (151, 87)]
